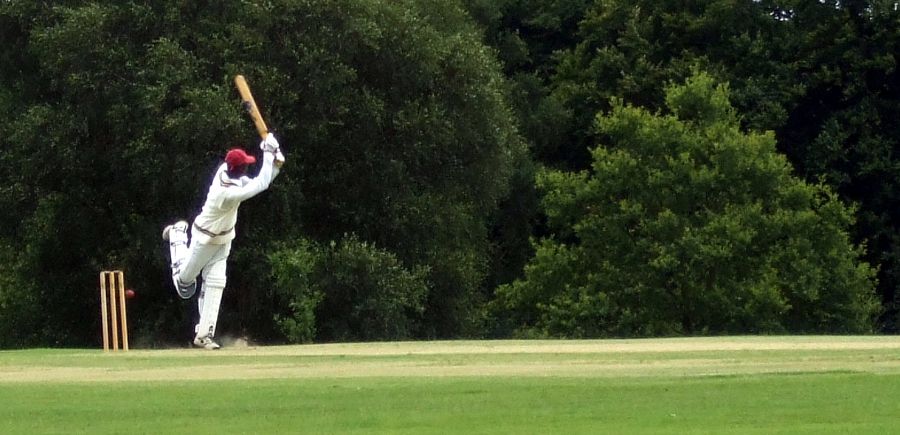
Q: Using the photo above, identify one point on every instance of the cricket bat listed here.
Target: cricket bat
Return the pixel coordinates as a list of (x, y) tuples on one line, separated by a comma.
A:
[(250, 105)]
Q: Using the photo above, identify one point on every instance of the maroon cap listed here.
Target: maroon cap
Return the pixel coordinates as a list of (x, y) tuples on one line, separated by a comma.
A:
[(237, 157)]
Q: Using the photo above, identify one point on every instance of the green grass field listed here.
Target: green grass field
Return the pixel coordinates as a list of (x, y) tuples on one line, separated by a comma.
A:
[(690, 385)]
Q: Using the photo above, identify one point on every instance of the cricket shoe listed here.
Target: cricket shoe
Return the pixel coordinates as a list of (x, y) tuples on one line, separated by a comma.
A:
[(206, 343), (185, 291)]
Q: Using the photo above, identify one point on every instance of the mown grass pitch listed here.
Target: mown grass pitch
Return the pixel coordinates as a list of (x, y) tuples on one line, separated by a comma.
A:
[(693, 385)]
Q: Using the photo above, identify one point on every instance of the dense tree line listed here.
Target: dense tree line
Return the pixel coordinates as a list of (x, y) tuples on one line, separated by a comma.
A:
[(823, 76), (686, 225), (472, 168)]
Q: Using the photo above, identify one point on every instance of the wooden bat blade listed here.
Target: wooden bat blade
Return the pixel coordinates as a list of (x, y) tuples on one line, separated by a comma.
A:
[(250, 105)]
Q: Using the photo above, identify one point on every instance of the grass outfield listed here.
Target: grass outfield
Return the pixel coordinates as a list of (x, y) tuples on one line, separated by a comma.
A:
[(690, 385)]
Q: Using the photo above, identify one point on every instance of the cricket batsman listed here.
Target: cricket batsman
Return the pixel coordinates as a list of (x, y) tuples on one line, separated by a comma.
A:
[(212, 231)]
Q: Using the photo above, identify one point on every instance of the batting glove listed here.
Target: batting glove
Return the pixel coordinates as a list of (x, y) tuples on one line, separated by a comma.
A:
[(269, 144)]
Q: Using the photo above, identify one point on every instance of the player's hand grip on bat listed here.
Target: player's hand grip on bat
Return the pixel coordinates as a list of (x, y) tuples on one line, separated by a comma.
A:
[(271, 145)]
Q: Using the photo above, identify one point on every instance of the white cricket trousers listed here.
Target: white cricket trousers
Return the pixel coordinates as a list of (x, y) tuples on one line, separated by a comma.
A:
[(210, 261)]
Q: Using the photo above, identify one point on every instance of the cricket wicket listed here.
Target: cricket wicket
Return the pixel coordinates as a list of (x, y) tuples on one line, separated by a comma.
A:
[(112, 283)]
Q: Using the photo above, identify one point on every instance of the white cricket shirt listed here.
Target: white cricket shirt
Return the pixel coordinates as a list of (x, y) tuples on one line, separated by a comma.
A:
[(215, 223)]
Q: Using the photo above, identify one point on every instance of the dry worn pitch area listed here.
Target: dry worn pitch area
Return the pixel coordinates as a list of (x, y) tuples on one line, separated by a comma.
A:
[(572, 358)]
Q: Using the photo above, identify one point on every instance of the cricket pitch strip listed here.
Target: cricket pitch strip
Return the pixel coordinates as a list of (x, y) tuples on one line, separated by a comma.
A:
[(669, 357)]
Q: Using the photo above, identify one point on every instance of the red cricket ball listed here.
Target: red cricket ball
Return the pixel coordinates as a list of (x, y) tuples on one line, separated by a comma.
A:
[(129, 293)]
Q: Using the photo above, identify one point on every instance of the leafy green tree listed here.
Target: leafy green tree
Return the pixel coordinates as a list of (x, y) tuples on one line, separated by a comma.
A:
[(686, 225), (526, 35), (631, 49), (821, 75), (347, 290)]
